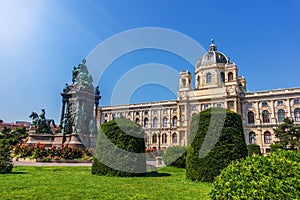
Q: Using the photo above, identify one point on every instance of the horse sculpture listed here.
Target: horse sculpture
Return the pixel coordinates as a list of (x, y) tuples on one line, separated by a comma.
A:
[(41, 123)]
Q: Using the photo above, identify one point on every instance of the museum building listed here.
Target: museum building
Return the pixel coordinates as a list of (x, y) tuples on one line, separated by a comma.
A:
[(217, 84)]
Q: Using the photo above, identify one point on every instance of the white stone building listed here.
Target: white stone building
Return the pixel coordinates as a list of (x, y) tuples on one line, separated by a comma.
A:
[(217, 84)]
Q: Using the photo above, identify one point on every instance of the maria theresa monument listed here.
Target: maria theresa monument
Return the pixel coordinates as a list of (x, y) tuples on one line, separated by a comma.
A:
[(217, 84)]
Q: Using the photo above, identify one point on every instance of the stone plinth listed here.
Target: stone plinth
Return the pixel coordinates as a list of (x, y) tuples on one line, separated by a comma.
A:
[(57, 140)]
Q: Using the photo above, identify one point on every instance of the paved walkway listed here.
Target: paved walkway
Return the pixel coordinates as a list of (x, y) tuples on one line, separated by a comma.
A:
[(20, 163)]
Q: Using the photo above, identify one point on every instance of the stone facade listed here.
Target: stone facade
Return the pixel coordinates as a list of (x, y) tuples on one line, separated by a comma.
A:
[(217, 84)]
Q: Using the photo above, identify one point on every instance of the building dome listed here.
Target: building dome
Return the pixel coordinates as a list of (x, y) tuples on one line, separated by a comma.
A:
[(212, 56)]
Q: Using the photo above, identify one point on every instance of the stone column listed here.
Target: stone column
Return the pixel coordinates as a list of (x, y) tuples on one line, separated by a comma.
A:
[(273, 112), (289, 108), (63, 110)]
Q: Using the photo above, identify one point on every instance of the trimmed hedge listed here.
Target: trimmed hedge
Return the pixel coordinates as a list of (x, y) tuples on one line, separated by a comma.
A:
[(223, 145), (5, 159), (276, 147), (253, 150), (275, 176), (175, 156), (120, 149)]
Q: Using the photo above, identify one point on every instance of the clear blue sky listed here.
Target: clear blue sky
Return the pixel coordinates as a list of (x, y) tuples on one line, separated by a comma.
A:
[(41, 41)]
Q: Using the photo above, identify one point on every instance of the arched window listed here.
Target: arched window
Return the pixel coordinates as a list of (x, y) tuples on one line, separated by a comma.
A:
[(183, 83), (198, 79), (252, 137), (165, 120), (164, 138), (146, 122), (265, 116), (250, 117), (281, 115), (137, 120), (174, 138), (230, 76), (267, 137), (222, 76), (174, 121), (297, 114), (154, 138), (208, 78), (155, 122)]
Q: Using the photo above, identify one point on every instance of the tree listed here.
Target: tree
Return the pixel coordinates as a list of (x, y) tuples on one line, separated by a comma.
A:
[(288, 134), (175, 156), (227, 143), (5, 159), (253, 150), (13, 136), (120, 149)]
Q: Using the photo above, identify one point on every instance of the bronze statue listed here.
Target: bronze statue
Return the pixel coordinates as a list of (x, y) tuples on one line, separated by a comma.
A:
[(42, 125)]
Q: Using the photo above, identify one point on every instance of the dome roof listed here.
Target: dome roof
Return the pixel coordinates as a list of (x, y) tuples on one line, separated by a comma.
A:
[(212, 56)]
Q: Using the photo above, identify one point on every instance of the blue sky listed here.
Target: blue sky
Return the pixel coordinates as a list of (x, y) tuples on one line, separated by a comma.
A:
[(41, 41)]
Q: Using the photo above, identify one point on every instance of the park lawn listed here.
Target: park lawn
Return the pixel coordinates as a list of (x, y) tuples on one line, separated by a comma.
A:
[(79, 183)]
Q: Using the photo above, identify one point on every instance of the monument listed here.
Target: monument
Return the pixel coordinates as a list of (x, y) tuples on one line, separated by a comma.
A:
[(77, 127)]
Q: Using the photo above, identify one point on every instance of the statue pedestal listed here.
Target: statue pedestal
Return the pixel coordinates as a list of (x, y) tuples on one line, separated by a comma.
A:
[(57, 140)]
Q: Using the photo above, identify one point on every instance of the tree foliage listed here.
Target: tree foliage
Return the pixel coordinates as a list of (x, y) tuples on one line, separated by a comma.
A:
[(13, 136), (175, 156), (288, 134), (120, 149), (230, 143), (275, 176), (253, 150), (5, 159)]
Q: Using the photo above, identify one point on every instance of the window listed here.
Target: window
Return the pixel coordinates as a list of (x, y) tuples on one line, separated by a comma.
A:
[(183, 83), (198, 79), (206, 106), (155, 122), (193, 107), (297, 114), (154, 138), (264, 104), (174, 121), (267, 137), (222, 76), (265, 116), (279, 103), (230, 104), (164, 138), (249, 105), (165, 120), (128, 114), (252, 137), (174, 138), (175, 110), (146, 122), (281, 115), (218, 105), (250, 117), (164, 111), (296, 101), (105, 115), (155, 112), (137, 113), (230, 76), (146, 112), (137, 120), (208, 78)]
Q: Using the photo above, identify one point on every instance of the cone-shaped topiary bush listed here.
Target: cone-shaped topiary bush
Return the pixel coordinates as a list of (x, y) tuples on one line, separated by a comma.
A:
[(175, 156), (5, 159), (120, 149), (275, 176), (216, 139)]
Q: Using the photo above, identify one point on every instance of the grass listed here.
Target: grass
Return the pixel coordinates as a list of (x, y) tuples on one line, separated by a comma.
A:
[(79, 183)]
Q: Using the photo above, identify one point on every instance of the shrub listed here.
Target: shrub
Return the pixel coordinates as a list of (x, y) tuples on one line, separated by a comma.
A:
[(212, 151), (175, 156), (276, 146), (120, 149), (5, 159), (253, 149), (275, 176)]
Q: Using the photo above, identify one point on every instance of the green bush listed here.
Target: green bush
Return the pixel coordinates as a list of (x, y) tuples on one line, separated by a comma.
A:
[(276, 147), (253, 149), (5, 159), (120, 149), (210, 152), (175, 156), (275, 176)]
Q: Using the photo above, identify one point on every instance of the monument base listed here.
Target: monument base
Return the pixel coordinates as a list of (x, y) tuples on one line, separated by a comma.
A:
[(58, 140)]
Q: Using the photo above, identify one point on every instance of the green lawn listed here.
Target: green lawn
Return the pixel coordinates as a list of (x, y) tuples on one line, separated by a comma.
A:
[(79, 183)]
